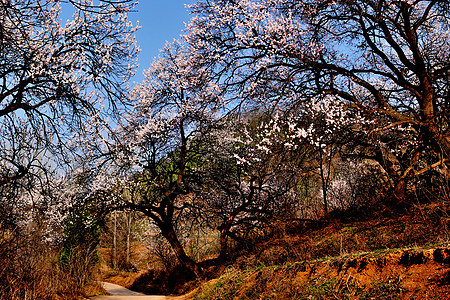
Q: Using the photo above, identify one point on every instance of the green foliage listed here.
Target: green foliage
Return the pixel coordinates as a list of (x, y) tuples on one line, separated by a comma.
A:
[(226, 287), (81, 233)]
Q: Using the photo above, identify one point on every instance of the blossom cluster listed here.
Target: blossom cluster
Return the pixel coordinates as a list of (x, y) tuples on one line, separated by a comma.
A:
[(319, 124)]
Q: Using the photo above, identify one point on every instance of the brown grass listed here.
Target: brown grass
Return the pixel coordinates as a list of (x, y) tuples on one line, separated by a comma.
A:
[(29, 269)]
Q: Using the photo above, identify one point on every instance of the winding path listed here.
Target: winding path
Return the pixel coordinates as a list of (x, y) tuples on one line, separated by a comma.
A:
[(118, 292)]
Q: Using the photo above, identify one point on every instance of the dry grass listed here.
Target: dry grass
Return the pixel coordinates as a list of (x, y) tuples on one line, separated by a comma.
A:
[(29, 269)]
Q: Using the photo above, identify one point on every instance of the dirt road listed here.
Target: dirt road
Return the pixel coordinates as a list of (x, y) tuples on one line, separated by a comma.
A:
[(118, 292)]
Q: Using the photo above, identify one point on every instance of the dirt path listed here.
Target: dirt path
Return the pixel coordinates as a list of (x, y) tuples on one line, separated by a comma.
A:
[(120, 293)]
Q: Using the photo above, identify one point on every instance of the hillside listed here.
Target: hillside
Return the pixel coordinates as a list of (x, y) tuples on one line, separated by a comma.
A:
[(402, 256), (389, 274), (390, 256)]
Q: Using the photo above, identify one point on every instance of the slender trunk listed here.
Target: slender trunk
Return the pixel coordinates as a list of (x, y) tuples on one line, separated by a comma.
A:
[(325, 166), (129, 221), (324, 190), (198, 242), (115, 242)]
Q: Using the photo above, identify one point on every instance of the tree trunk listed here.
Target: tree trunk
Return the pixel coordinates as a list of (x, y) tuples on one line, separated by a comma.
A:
[(169, 233), (324, 188), (129, 223), (226, 226), (429, 116), (400, 190), (441, 140), (115, 242), (388, 162), (223, 241)]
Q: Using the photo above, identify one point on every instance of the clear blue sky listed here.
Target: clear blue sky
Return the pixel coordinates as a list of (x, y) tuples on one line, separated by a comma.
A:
[(161, 21)]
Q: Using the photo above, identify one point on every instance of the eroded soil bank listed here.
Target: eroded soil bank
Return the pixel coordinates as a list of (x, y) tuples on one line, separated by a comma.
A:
[(390, 274)]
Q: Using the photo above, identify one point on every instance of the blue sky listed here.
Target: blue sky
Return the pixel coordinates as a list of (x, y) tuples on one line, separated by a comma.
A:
[(161, 21)]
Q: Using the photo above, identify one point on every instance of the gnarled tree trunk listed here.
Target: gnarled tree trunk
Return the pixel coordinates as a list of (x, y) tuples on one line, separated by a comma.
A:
[(168, 232)]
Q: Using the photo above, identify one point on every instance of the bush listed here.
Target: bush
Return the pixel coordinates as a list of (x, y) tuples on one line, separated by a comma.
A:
[(81, 236), (29, 269)]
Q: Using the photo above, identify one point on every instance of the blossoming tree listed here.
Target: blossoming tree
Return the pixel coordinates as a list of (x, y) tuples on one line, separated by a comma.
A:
[(59, 82), (388, 60), (58, 78), (156, 150)]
